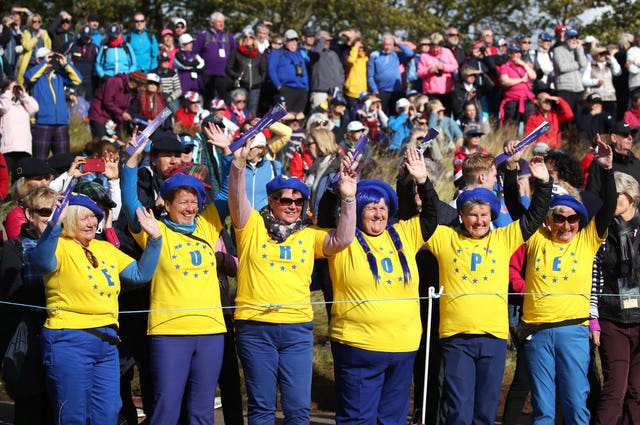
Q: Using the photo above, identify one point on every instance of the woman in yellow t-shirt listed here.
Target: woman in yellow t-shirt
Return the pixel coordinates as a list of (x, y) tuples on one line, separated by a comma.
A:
[(185, 326), (374, 342), (82, 283), (276, 249)]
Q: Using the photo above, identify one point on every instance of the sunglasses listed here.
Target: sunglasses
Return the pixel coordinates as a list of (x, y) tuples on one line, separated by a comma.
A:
[(137, 21), (43, 212), (453, 34), (321, 123), (37, 21), (92, 258), (179, 25), (419, 139), (571, 219), (288, 201), (66, 21), (241, 101)]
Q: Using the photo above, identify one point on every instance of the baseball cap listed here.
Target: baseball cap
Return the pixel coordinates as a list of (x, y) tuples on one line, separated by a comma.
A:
[(545, 36), (594, 97), (402, 103), (541, 148), (338, 100), (622, 128), (42, 52), (291, 35), (355, 126), (514, 48), (308, 32), (185, 39), (180, 21), (560, 29), (152, 77), (166, 31), (217, 104), (93, 18), (259, 141), (248, 32), (163, 56), (474, 131), (192, 96), (571, 32), (86, 31), (114, 30)]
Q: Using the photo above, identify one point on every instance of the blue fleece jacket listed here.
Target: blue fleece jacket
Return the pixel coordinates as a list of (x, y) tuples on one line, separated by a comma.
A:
[(383, 69), (282, 69)]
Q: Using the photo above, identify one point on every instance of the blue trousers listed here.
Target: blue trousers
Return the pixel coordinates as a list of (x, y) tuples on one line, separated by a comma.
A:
[(473, 368), (83, 376), (274, 355), (559, 357), (372, 387), (179, 362)]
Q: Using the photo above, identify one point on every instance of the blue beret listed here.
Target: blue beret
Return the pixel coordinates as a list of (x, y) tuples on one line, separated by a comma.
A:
[(571, 202), (372, 191), (287, 182), (179, 180), (85, 201), (479, 194)]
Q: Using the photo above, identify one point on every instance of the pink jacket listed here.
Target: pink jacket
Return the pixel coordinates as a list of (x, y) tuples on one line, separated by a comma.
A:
[(434, 83), (15, 124), (632, 117)]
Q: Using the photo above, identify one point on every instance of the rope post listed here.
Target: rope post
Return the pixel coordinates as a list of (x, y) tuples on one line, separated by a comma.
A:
[(432, 295)]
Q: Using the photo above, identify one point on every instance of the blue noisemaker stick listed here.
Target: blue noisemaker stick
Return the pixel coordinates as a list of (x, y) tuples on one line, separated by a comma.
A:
[(274, 115), (170, 109), (55, 215), (426, 142), (526, 141), (357, 150)]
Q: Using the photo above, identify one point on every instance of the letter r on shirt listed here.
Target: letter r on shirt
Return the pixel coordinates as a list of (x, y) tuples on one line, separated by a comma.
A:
[(285, 252)]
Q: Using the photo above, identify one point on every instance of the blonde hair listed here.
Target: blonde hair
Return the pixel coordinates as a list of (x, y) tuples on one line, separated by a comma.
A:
[(70, 222), (30, 19), (325, 139), (627, 185), (39, 197)]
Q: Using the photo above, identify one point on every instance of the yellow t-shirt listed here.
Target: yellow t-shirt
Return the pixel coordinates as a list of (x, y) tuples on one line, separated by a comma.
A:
[(186, 281), (471, 266), (391, 325), (88, 296), (275, 274), (559, 267)]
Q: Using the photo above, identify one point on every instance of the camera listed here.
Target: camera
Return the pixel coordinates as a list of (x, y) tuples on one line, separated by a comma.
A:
[(55, 59), (343, 40), (299, 70), (17, 91)]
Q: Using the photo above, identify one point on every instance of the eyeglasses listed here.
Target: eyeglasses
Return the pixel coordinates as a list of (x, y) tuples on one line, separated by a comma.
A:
[(321, 123), (525, 41), (92, 258), (288, 201), (425, 44), (43, 212), (276, 43), (571, 219)]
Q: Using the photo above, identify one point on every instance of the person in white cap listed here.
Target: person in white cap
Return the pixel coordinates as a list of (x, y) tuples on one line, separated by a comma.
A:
[(190, 66), (399, 123)]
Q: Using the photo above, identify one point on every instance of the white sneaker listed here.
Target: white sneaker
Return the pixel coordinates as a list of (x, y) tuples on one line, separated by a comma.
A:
[(217, 403)]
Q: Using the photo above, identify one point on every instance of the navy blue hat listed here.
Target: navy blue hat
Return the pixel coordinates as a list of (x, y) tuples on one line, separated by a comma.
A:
[(85, 201), (86, 31), (32, 167), (114, 30), (338, 100), (372, 191), (179, 180), (474, 131), (287, 182), (513, 48), (412, 92), (479, 194), (571, 202), (520, 37), (571, 32), (545, 36), (163, 141), (187, 141)]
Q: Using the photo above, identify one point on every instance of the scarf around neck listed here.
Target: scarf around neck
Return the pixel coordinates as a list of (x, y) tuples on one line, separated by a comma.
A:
[(278, 231)]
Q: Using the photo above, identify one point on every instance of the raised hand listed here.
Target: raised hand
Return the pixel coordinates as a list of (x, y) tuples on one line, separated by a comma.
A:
[(217, 138), (414, 164), (603, 153), (137, 155), (539, 169), (348, 176), (148, 222)]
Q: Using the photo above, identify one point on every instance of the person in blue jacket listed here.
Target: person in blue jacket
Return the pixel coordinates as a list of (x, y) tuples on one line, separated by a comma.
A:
[(383, 71), (116, 56), (48, 78), (143, 43), (288, 73)]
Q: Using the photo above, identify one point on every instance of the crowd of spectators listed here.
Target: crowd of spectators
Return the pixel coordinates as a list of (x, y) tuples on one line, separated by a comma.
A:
[(153, 221)]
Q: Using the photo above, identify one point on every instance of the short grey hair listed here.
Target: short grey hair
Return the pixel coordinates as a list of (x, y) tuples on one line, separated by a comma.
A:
[(238, 93), (215, 16), (625, 38)]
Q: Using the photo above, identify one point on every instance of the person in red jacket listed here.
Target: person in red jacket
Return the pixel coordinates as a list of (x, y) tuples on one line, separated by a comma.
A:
[(554, 110)]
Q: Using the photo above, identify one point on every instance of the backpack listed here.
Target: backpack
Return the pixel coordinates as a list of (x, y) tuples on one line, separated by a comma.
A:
[(105, 47)]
